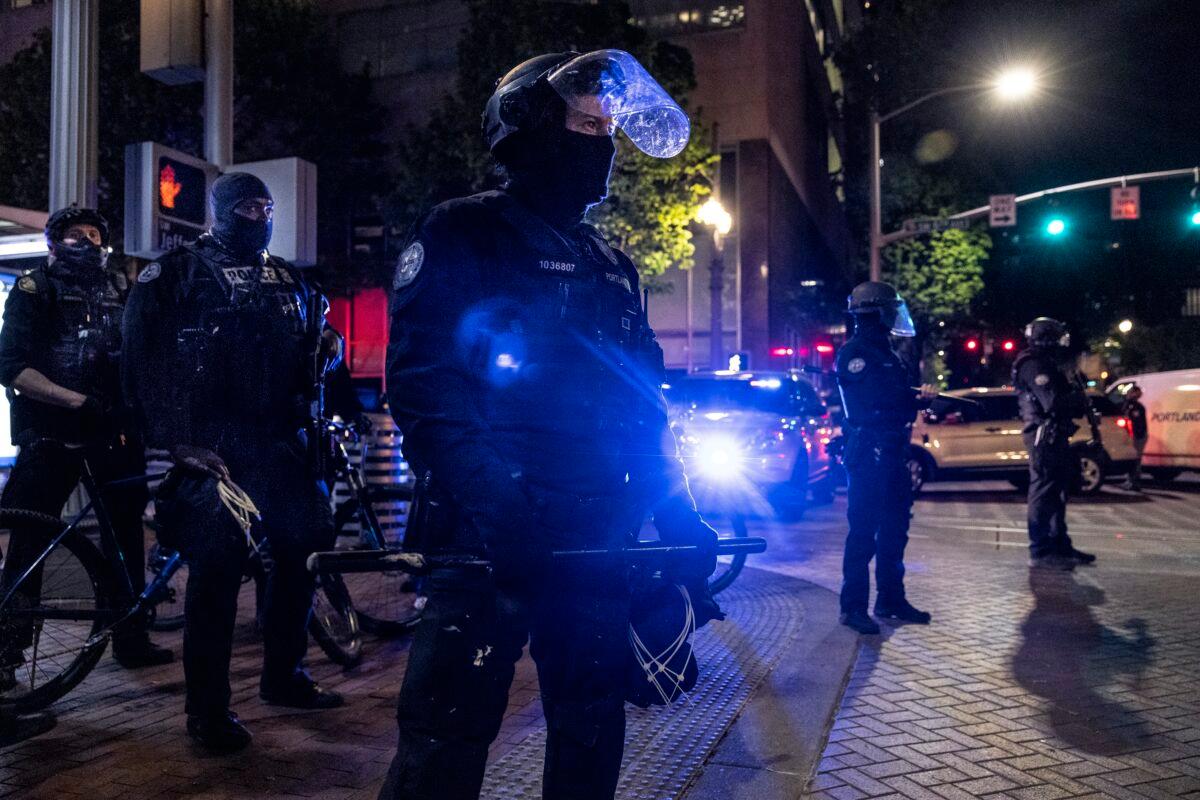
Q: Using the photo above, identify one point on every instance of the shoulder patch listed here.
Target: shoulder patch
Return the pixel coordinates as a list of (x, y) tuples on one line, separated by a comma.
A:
[(152, 271), (1042, 380), (856, 365), (26, 283), (408, 265)]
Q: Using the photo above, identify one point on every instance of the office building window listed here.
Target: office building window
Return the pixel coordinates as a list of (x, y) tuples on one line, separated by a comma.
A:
[(685, 16)]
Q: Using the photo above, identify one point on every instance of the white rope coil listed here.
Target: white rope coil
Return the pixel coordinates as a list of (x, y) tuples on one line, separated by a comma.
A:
[(239, 504), (655, 665)]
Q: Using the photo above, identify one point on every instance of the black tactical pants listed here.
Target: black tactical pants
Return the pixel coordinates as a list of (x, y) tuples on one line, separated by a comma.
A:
[(879, 495), (42, 480), (296, 521), (1052, 468), (461, 665)]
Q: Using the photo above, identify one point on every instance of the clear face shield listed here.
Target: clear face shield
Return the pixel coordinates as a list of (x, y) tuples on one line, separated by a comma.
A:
[(902, 321), (612, 84)]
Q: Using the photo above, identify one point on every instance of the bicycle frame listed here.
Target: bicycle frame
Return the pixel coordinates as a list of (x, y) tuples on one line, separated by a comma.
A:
[(110, 551)]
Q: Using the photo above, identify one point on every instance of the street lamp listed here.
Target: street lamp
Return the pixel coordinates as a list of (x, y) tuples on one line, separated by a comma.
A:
[(1016, 83), (1125, 325), (720, 221)]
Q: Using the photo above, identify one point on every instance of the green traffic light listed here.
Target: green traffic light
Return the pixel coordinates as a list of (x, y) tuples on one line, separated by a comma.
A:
[(1196, 217), (1056, 226)]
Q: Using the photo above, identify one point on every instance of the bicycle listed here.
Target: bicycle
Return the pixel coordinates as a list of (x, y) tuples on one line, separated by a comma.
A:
[(85, 595), (388, 604)]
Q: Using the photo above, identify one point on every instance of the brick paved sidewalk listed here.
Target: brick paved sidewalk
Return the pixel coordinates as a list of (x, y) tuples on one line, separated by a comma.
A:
[(1033, 685), (121, 734)]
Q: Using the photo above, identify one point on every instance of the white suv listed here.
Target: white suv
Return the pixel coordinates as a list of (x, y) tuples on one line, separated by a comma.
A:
[(978, 437)]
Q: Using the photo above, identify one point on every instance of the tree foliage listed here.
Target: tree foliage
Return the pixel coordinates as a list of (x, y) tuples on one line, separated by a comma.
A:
[(651, 202)]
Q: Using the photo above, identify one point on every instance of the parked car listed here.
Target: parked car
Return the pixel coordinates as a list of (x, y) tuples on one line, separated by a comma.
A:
[(975, 434), (755, 439), (1172, 401)]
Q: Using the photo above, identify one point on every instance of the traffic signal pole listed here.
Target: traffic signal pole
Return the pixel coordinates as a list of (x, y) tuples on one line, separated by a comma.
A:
[(1102, 183), (218, 82)]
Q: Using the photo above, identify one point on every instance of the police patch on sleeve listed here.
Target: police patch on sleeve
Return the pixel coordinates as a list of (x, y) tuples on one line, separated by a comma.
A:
[(856, 365), (409, 265), (152, 271), (27, 284), (1041, 380)]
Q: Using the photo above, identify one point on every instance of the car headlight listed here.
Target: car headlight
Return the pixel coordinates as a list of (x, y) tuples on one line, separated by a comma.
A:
[(719, 458)]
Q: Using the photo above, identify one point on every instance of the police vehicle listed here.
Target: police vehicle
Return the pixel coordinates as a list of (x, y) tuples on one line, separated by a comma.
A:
[(975, 434), (753, 442), (1172, 401)]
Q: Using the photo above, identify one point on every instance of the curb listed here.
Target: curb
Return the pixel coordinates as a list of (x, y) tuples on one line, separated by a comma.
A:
[(772, 749)]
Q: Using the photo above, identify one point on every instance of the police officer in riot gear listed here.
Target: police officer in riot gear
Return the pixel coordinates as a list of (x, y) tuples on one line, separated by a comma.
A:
[(1051, 398), (525, 379), (221, 338), (59, 353), (880, 405)]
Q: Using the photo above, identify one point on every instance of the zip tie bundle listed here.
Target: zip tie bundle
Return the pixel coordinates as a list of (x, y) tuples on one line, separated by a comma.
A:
[(240, 506), (660, 664)]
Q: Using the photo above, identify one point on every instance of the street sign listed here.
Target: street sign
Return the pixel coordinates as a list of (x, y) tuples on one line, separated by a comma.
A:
[(935, 225), (1126, 202), (1003, 210)]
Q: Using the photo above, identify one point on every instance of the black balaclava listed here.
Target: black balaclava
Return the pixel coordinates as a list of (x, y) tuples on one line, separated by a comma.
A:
[(558, 172), (83, 262), (242, 237)]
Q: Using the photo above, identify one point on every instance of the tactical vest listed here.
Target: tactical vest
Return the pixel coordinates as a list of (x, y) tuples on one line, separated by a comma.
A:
[(246, 341), (570, 368)]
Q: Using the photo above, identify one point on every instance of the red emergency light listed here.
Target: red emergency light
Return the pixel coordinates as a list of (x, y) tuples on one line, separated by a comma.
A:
[(782, 351), (972, 344), (825, 349)]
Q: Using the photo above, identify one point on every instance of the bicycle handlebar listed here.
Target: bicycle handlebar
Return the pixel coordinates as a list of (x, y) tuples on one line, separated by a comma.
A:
[(355, 561)]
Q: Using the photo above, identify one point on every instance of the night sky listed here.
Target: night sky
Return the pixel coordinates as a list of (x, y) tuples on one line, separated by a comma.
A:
[(1122, 96)]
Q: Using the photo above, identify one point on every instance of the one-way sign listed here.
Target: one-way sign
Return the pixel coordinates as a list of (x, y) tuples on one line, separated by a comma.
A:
[(1003, 211), (934, 225)]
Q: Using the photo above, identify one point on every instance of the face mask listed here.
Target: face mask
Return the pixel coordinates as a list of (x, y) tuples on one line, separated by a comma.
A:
[(565, 172), (83, 259), (242, 236)]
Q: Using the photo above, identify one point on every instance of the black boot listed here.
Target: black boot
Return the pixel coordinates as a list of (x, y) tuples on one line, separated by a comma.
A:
[(300, 691), (1053, 562), (1080, 557), (902, 611), (136, 651), (859, 621), (219, 733)]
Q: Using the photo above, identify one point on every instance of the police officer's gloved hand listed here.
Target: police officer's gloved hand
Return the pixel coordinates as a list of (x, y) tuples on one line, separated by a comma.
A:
[(200, 461), (363, 425), (679, 523)]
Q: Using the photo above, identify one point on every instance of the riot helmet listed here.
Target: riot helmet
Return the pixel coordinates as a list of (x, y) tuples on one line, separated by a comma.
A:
[(1047, 332), (71, 247), (876, 297), (608, 84)]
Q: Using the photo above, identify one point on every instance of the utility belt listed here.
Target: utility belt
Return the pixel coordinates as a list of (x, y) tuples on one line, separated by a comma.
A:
[(875, 446), (437, 524)]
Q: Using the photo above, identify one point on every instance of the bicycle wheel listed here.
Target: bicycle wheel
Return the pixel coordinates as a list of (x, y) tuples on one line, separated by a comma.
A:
[(168, 611), (388, 603), (729, 567), (55, 628), (334, 622)]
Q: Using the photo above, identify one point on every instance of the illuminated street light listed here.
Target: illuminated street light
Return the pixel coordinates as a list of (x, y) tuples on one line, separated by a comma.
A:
[(714, 215), (720, 221), (1125, 326), (1016, 83)]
